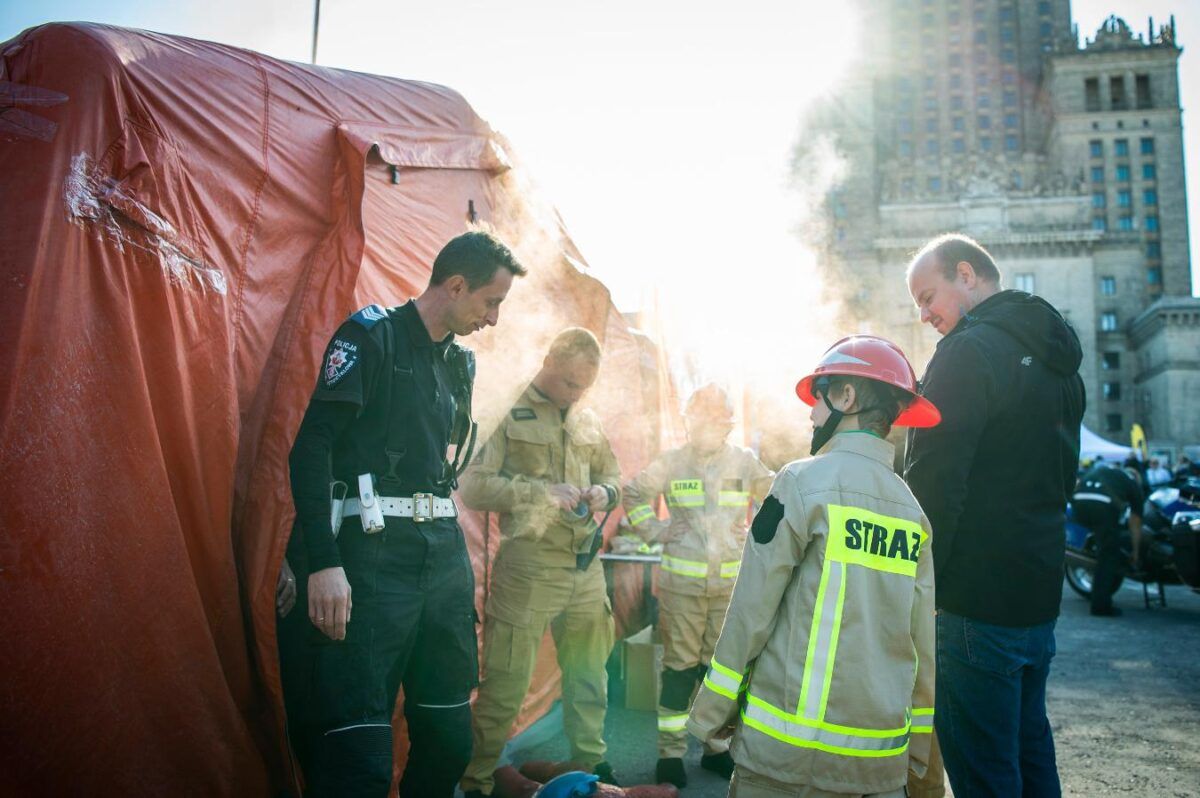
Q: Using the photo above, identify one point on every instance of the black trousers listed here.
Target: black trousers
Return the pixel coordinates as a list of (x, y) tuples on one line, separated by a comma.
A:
[(412, 625), (1104, 521)]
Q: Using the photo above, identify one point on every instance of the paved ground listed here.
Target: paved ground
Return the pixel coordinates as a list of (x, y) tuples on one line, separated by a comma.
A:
[(1124, 699)]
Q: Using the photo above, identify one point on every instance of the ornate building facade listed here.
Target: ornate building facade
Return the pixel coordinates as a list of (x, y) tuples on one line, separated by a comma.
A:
[(1064, 158)]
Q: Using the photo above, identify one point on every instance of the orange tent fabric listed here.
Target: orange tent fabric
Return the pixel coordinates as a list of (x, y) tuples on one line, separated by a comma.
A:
[(185, 225)]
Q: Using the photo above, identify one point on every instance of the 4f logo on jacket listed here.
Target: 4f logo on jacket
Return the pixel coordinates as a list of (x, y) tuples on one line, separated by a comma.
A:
[(876, 541)]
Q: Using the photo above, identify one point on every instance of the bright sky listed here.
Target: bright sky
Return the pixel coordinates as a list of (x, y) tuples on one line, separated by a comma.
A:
[(661, 130)]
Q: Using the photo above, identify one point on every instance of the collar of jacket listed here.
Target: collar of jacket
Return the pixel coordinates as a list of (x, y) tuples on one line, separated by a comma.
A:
[(865, 445), (416, 327)]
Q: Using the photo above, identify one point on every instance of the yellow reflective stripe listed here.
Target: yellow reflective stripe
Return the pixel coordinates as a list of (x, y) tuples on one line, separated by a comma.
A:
[(723, 681), (672, 723), (730, 569), (822, 640), (804, 733), (641, 514), (686, 493), (733, 498), (872, 540), (922, 720), (681, 500), (693, 568)]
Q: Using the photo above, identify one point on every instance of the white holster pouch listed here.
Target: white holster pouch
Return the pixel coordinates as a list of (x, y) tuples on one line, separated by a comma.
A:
[(368, 505), (337, 502)]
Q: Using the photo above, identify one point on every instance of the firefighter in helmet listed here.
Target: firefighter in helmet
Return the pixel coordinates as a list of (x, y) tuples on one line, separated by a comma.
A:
[(824, 670), (708, 485)]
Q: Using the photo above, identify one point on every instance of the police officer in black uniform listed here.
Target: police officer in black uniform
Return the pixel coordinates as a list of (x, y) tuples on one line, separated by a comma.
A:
[(391, 594), (1102, 496)]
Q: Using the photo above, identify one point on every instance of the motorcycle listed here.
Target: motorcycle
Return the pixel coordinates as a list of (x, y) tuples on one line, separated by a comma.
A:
[(1170, 549)]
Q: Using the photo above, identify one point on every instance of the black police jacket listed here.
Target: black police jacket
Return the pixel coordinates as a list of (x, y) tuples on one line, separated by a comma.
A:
[(995, 476)]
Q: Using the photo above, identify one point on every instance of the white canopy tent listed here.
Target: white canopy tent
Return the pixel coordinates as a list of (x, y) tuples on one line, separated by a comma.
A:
[(1092, 445)]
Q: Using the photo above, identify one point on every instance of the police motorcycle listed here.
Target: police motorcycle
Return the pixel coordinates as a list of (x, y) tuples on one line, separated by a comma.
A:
[(1170, 550)]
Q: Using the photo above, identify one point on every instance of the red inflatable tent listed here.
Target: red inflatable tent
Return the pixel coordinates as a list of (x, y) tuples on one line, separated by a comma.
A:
[(185, 225)]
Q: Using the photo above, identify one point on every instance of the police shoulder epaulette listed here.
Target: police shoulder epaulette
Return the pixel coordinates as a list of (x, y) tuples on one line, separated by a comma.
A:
[(369, 316)]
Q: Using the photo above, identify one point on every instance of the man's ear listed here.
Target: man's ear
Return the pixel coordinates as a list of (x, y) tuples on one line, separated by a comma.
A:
[(849, 396), (966, 273), (456, 286)]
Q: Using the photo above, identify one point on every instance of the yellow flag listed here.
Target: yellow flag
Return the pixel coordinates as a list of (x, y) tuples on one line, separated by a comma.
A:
[(1137, 439)]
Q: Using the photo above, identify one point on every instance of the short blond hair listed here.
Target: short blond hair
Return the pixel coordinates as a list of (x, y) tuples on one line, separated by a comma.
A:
[(575, 342)]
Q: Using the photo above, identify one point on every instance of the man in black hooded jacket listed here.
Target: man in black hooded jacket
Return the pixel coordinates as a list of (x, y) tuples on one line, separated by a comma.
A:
[(994, 479)]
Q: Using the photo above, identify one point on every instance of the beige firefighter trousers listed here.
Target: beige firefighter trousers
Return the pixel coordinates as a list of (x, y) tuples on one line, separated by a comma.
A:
[(525, 599), (689, 627), (746, 784)]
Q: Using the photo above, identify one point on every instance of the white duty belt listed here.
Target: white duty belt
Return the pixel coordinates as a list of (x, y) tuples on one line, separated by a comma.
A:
[(420, 507)]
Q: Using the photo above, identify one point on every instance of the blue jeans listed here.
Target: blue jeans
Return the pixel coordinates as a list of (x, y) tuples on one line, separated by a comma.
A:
[(991, 708)]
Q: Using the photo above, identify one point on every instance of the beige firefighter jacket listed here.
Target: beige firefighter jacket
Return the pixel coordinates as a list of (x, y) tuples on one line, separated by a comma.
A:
[(532, 449), (708, 500), (828, 643)]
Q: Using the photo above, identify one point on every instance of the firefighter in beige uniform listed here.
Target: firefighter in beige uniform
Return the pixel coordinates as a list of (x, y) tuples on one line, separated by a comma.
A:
[(828, 645), (546, 469), (708, 485)]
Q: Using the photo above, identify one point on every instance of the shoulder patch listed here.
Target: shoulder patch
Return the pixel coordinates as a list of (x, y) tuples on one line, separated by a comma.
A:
[(523, 414), (766, 520), (369, 316), (342, 357)]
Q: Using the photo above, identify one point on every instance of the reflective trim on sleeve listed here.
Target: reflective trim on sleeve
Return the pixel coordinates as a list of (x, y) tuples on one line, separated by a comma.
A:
[(804, 733), (723, 681), (729, 570), (922, 720), (692, 568), (1092, 497), (733, 498), (672, 723), (641, 514)]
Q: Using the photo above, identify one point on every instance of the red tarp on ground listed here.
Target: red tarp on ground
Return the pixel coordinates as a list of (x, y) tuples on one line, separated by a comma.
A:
[(185, 225)]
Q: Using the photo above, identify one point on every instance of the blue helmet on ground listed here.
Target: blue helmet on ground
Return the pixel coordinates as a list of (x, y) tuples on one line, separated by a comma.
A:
[(575, 784)]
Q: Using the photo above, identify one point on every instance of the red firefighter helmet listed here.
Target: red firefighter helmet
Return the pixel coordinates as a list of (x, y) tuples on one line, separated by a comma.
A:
[(875, 359), (709, 402)]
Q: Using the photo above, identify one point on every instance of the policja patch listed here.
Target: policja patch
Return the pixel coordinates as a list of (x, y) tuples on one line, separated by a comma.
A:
[(342, 357), (766, 521)]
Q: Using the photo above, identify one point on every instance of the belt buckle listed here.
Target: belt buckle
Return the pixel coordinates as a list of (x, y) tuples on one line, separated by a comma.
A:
[(418, 516)]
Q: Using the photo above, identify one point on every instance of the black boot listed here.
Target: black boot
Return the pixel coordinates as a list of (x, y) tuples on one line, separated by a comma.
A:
[(721, 764), (670, 771), (605, 772)]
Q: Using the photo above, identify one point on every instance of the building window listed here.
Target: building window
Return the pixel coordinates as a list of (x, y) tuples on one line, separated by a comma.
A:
[(931, 147), (1108, 286), (928, 83), (1044, 8), (1097, 174), (984, 100), (1108, 321), (1150, 197), (955, 59), (1045, 30), (985, 143), (1153, 249), (1151, 224), (985, 121), (1125, 223), (981, 36), (1099, 223), (1008, 55), (1096, 148), (960, 145), (1009, 77), (1121, 148), (1123, 173), (1010, 120), (1154, 275), (1147, 146), (956, 102), (1091, 94), (905, 124), (1024, 282), (1149, 172), (905, 148), (1124, 199), (1113, 423), (1010, 99), (1112, 391), (958, 123), (1111, 361), (930, 103), (1011, 143), (956, 81), (935, 185), (1007, 34), (1116, 93), (931, 125), (1143, 91), (906, 186), (1098, 199)]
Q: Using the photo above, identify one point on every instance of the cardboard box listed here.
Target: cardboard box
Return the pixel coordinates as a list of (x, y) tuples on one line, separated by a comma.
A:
[(643, 664)]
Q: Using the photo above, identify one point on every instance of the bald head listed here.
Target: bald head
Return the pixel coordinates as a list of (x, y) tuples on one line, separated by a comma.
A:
[(948, 277)]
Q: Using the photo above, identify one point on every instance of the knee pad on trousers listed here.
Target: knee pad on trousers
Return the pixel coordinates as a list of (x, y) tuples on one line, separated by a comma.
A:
[(677, 688), (354, 761), (441, 747)]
